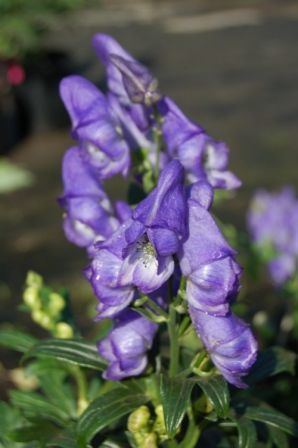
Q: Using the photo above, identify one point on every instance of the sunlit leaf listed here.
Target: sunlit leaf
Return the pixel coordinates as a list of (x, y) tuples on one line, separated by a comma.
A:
[(72, 351), (175, 394)]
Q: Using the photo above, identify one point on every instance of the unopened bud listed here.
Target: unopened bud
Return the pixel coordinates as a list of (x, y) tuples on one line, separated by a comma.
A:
[(42, 319), (63, 331), (139, 419), (56, 304), (31, 297), (34, 279), (159, 424), (150, 441)]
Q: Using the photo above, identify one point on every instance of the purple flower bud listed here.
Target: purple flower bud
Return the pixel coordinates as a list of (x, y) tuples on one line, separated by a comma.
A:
[(206, 259), (230, 343), (203, 157), (89, 215), (129, 80), (95, 126), (272, 222), (125, 348)]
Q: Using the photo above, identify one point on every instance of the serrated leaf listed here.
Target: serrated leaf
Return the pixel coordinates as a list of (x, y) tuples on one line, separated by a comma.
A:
[(273, 418), (16, 340), (271, 362), (107, 409), (74, 351), (216, 389), (35, 406), (175, 394), (247, 434)]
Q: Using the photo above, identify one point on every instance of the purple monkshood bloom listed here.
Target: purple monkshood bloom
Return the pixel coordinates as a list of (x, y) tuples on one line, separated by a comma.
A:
[(125, 348), (140, 253), (206, 259), (89, 215), (203, 157), (129, 80), (272, 221), (96, 127), (230, 343)]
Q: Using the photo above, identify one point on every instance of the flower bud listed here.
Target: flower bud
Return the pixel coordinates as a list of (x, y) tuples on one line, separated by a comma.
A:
[(150, 441), (63, 331), (31, 297), (34, 279), (139, 419), (42, 319), (159, 424), (56, 304)]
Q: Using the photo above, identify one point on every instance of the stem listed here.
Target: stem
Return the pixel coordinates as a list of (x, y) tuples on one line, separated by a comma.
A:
[(152, 305), (174, 346), (81, 387)]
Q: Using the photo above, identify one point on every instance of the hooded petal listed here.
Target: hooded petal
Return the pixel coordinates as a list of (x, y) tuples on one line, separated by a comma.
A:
[(230, 343)]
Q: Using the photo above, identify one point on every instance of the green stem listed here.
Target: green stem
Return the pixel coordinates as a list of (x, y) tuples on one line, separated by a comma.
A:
[(174, 346), (152, 305), (81, 387)]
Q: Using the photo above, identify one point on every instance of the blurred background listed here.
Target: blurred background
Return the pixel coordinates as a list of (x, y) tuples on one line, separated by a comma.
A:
[(230, 65)]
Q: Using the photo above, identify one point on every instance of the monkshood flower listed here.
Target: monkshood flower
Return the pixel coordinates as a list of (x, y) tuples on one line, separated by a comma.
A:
[(88, 212), (125, 348), (140, 252), (272, 222), (203, 157), (206, 259), (96, 127), (230, 344), (128, 79)]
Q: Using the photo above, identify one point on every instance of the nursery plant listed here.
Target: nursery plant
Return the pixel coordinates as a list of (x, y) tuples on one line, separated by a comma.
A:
[(173, 364)]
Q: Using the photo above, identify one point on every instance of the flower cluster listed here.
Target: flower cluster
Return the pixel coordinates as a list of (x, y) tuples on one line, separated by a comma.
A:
[(139, 248), (272, 222)]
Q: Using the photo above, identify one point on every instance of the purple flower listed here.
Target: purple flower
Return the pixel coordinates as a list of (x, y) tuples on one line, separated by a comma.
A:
[(104, 275), (96, 127), (206, 259), (125, 348), (203, 157), (89, 215), (155, 233), (272, 222), (230, 343), (129, 80)]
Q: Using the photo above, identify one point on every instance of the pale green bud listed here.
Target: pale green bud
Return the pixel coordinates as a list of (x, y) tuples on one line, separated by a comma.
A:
[(139, 419), (63, 331), (34, 279), (31, 297), (150, 441), (42, 319), (56, 304)]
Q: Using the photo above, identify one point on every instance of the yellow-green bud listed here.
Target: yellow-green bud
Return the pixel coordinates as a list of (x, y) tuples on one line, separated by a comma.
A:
[(150, 441), (31, 297), (159, 424), (63, 331), (139, 419), (34, 279), (42, 319), (56, 304)]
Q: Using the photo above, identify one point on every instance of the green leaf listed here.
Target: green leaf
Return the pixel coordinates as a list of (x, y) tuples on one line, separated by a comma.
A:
[(41, 431), (16, 340), (175, 394), (273, 418), (216, 389), (35, 406), (107, 409), (271, 362), (247, 433), (279, 438), (73, 351), (65, 439), (13, 177)]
